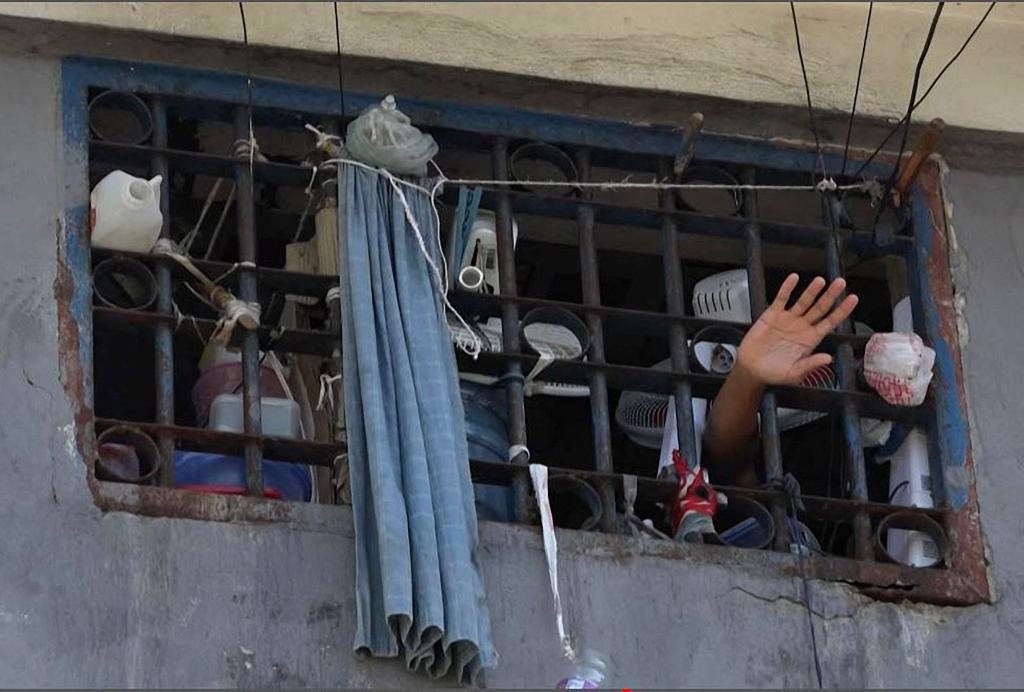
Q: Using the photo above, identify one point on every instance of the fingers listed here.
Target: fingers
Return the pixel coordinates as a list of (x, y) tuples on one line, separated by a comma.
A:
[(806, 300), (785, 291), (825, 302), (840, 313), (808, 365)]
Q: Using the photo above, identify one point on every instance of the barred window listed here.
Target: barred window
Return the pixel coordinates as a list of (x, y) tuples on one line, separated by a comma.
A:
[(606, 314)]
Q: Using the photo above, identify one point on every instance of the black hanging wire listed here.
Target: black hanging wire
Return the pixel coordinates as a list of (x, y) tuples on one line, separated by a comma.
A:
[(913, 88), (827, 204), (884, 202), (856, 89), (248, 65), (931, 86), (807, 90), (341, 77)]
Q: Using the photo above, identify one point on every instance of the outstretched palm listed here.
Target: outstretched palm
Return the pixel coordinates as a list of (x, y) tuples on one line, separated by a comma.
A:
[(777, 350)]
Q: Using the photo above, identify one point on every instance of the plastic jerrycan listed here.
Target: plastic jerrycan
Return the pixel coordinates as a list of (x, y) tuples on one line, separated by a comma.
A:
[(126, 212)]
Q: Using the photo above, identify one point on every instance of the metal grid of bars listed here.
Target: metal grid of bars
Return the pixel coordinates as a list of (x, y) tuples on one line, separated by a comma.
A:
[(219, 98)]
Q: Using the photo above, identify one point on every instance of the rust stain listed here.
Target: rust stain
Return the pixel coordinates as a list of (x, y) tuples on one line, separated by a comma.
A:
[(963, 525), (72, 375)]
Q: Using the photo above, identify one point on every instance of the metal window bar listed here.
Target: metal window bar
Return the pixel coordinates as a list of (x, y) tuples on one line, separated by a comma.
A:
[(510, 329), (163, 333), (251, 405), (591, 292), (678, 350), (217, 98), (850, 420), (674, 323), (770, 447)]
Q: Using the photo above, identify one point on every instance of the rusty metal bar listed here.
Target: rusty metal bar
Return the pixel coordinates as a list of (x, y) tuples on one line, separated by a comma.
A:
[(163, 335), (247, 287), (320, 343), (532, 203), (284, 449), (675, 302), (510, 330), (770, 448), (279, 280), (849, 418), (625, 321), (591, 290)]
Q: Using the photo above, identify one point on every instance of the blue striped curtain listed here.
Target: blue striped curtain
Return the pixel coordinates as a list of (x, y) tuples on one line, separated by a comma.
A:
[(419, 587)]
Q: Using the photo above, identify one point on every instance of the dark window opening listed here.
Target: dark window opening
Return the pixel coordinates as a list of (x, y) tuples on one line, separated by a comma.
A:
[(628, 294)]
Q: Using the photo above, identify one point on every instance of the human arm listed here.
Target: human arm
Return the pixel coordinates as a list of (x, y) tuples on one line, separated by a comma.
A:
[(776, 350)]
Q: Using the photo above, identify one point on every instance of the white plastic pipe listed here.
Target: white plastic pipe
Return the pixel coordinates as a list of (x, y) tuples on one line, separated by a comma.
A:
[(471, 278)]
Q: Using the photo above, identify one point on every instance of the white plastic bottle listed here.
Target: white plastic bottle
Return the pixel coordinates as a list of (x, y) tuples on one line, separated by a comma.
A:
[(126, 212)]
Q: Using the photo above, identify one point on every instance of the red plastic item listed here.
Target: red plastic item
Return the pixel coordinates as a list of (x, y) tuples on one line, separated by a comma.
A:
[(268, 493), (693, 494)]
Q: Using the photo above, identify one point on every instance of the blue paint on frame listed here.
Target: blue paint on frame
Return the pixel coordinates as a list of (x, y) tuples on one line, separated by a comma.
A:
[(79, 74), (950, 423), (490, 120)]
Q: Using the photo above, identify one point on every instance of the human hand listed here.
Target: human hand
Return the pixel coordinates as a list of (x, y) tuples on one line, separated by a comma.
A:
[(777, 349)]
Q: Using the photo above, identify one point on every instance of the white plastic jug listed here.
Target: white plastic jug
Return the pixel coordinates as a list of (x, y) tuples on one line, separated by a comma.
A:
[(126, 212)]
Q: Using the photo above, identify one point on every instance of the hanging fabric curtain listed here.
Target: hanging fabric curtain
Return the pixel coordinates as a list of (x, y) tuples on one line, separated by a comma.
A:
[(419, 590)]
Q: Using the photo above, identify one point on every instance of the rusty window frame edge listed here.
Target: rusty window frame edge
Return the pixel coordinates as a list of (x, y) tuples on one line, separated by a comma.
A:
[(967, 581)]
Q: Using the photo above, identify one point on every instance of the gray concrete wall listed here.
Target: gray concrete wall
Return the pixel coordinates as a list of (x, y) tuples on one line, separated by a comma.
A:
[(93, 599)]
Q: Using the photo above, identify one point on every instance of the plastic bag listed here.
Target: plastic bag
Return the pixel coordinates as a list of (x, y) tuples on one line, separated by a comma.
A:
[(383, 136), (899, 367)]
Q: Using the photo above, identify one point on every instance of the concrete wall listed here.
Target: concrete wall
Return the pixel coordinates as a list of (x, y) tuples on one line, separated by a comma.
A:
[(93, 599), (743, 51)]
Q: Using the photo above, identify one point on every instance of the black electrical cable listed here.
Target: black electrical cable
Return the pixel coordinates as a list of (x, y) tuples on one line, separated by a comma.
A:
[(806, 587), (807, 90), (935, 81), (248, 64), (856, 89), (883, 203), (913, 88), (341, 78), (899, 486), (835, 240)]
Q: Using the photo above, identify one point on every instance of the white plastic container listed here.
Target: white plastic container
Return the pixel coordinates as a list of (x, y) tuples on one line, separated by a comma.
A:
[(126, 212), (280, 416), (910, 475), (910, 486)]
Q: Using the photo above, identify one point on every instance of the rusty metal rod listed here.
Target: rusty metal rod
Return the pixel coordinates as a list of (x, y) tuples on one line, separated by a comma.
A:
[(849, 418), (163, 335), (771, 449), (678, 349), (591, 290), (252, 415), (510, 327)]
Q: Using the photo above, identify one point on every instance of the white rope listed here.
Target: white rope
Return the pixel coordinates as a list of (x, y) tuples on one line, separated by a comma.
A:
[(826, 184), (186, 242), (231, 270), (220, 222), (326, 391), (473, 345), (235, 311)]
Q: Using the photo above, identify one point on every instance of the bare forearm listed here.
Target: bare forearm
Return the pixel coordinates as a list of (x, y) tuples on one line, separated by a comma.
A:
[(731, 428)]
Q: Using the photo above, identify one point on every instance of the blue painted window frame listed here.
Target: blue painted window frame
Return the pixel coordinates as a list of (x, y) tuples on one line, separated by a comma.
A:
[(79, 74)]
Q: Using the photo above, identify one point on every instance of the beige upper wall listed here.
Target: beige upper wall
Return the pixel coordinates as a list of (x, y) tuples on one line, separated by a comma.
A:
[(742, 51)]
